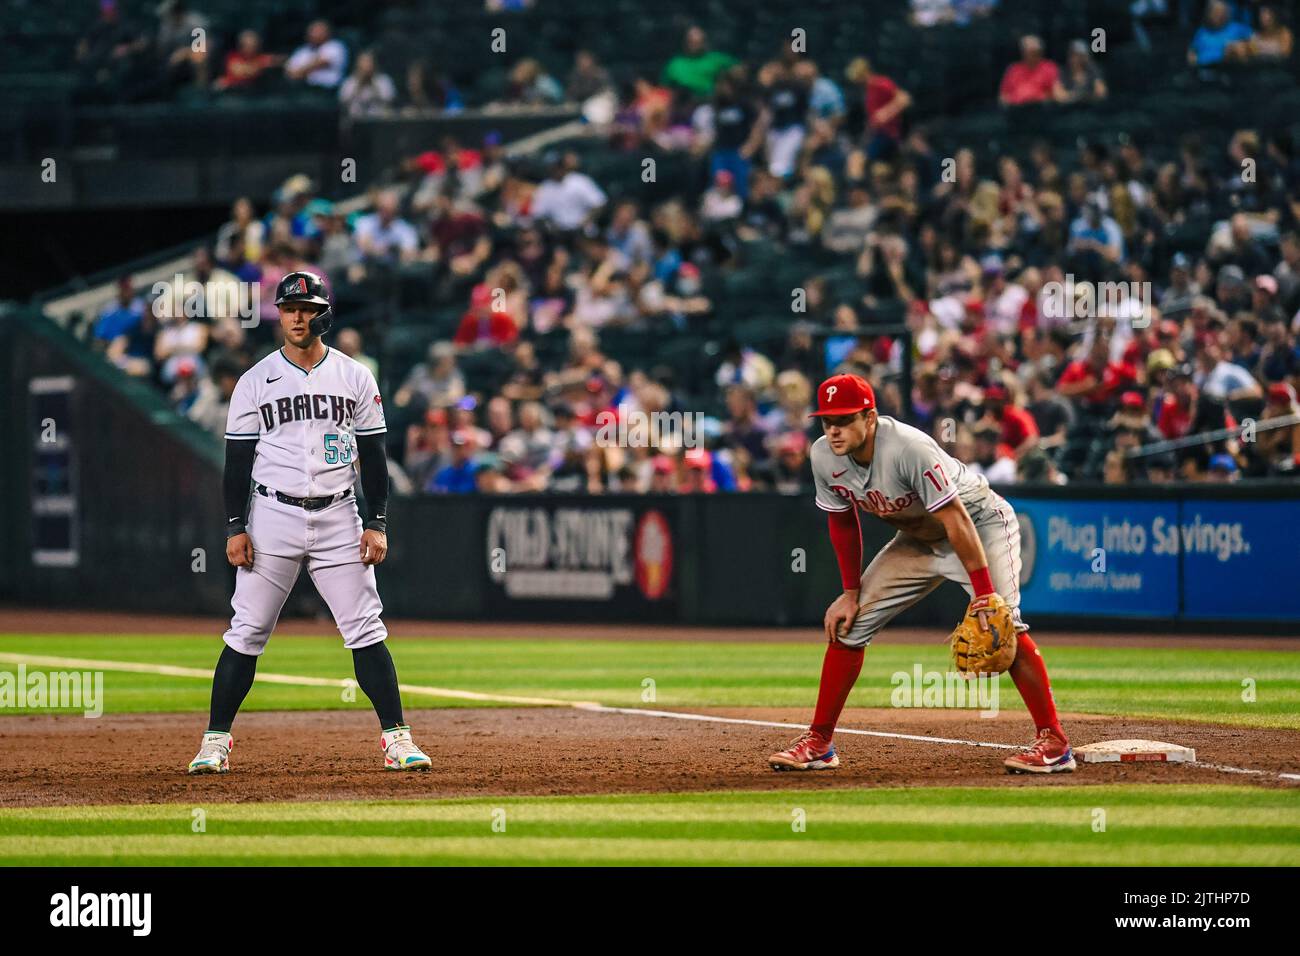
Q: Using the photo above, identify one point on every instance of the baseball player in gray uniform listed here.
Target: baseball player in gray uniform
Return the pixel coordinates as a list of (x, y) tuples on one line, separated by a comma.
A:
[(951, 526), (302, 423)]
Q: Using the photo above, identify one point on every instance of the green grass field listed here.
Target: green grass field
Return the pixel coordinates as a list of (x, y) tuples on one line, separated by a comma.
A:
[(1197, 685), (1143, 825), (1174, 825)]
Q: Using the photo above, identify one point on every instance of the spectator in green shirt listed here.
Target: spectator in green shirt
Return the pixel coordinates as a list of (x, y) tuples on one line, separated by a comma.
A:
[(696, 67)]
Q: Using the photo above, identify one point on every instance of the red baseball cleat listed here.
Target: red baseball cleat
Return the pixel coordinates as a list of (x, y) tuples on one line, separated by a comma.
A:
[(1049, 754), (811, 751)]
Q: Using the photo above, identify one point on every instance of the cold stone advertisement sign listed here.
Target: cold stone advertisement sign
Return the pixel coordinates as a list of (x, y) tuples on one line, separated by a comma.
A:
[(614, 557)]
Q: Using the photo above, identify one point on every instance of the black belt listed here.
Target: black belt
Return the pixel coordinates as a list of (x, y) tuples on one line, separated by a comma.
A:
[(307, 504)]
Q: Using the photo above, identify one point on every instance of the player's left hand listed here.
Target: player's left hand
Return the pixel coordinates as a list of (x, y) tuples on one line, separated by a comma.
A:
[(374, 547)]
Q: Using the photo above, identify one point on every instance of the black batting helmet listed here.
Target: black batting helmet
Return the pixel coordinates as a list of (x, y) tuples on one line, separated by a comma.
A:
[(307, 287)]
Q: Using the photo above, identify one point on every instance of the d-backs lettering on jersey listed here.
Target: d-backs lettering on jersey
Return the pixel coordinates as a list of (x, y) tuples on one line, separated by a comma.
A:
[(305, 421), (908, 479), (285, 409)]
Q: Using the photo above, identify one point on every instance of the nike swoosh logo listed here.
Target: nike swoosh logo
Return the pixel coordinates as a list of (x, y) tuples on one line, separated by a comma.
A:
[(276, 379), (838, 473)]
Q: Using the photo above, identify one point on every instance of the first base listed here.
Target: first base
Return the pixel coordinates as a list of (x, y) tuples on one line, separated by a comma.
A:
[(1129, 751)]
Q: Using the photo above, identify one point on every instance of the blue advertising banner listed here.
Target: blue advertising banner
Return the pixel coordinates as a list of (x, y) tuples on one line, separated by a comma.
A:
[(1098, 557), (1240, 559)]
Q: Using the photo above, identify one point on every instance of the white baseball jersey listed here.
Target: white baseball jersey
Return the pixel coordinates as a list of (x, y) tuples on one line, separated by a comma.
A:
[(909, 477), (305, 421)]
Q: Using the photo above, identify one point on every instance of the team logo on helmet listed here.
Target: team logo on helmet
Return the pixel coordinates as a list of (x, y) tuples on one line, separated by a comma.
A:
[(299, 287)]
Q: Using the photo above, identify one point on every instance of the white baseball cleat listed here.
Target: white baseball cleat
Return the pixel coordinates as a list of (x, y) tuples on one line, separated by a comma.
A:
[(214, 753), (400, 752)]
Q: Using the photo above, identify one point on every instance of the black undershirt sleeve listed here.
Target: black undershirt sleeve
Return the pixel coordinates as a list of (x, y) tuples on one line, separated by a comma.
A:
[(374, 480), (235, 482)]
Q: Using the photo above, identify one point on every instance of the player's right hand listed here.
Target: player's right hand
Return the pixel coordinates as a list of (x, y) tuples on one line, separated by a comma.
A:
[(239, 551), (841, 615)]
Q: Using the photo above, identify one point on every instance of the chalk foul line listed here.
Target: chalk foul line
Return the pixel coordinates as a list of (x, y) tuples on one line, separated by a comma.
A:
[(168, 670)]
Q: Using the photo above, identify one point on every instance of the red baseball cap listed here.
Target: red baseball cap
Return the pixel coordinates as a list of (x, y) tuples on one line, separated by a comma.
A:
[(698, 458), (844, 395)]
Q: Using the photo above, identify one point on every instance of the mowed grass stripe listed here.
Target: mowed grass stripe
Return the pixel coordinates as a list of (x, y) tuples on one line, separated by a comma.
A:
[(1039, 799), (419, 820), (1174, 825), (1173, 683), (1120, 831), (503, 849)]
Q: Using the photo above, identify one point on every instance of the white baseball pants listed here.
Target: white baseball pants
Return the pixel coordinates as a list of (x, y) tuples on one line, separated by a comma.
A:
[(283, 536)]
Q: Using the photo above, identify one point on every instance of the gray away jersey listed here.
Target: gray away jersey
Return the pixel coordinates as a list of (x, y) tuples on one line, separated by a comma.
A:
[(909, 477), (305, 421)]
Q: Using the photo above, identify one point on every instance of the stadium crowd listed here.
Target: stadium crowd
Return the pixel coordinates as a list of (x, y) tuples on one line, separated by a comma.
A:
[(1053, 327)]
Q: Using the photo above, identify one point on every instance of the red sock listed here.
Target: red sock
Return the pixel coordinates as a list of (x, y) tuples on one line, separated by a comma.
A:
[(840, 670), (1030, 676)]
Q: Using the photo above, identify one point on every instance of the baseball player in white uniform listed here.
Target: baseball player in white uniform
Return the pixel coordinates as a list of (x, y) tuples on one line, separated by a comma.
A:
[(302, 423), (951, 526)]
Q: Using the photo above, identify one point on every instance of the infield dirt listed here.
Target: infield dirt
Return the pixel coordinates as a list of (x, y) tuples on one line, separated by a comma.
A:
[(326, 755)]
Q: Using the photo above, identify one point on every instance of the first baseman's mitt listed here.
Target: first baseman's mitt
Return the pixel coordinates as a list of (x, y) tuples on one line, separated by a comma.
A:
[(976, 650)]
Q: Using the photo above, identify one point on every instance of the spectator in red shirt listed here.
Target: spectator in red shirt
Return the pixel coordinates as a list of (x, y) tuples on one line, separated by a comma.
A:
[(1094, 381), (885, 103), (1030, 80), (451, 168), (484, 325), (697, 479), (1017, 428), (247, 63), (1178, 406)]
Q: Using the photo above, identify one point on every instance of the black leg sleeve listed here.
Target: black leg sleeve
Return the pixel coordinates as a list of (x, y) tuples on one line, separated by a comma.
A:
[(230, 683), (378, 680)]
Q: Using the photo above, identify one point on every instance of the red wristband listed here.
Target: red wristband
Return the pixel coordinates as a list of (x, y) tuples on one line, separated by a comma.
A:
[(981, 582)]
